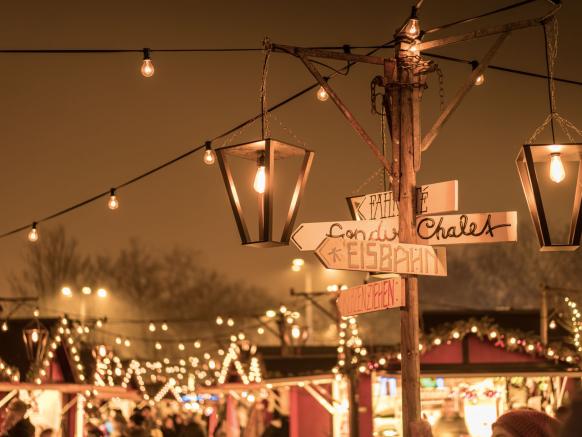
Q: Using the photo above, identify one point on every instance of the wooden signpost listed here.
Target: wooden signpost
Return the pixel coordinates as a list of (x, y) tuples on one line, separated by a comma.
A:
[(374, 296), (308, 236), (376, 256), (430, 199)]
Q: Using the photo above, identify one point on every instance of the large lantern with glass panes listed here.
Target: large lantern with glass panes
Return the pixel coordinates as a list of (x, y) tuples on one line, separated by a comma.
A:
[(552, 157), (264, 157)]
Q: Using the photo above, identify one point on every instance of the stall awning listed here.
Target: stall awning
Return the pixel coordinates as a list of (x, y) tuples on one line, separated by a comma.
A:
[(103, 392)]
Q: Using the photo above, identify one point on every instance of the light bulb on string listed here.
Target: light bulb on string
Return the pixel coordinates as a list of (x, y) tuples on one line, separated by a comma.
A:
[(164, 326), (557, 171), (113, 202), (322, 94), (4, 326), (152, 327), (33, 234), (147, 66), (260, 182), (479, 80), (209, 154), (36, 313)]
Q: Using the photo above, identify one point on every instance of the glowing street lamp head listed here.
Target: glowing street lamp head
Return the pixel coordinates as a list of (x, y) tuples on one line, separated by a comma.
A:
[(298, 262), (67, 292), (295, 332), (86, 291), (102, 293)]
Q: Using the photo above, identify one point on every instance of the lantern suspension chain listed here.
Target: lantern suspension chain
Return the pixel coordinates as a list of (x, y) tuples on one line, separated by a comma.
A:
[(263, 91), (550, 28)]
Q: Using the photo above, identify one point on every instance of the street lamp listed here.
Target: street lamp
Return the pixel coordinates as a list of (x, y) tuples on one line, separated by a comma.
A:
[(553, 155), (264, 153)]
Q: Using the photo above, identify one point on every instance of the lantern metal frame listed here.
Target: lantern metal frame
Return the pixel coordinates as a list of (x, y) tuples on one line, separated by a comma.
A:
[(531, 154), (272, 150), (35, 355)]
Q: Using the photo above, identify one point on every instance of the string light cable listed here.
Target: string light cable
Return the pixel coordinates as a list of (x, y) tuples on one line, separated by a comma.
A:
[(34, 234), (172, 161)]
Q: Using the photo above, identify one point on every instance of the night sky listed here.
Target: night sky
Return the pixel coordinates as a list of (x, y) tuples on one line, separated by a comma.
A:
[(75, 125)]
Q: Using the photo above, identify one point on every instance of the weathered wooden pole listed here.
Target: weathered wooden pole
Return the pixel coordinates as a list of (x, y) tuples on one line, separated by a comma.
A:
[(544, 315), (404, 82)]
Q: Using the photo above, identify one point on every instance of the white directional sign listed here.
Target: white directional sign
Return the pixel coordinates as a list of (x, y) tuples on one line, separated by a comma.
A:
[(373, 296), (308, 236), (430, 199), (494, 227), (377, 256)]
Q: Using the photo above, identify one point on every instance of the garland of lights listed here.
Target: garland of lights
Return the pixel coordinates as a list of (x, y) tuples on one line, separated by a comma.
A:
[(62, 335), (350, 352), (486, 329)]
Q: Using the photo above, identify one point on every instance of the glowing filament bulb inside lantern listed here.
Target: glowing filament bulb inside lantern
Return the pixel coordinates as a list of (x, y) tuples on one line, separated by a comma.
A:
[(34, 336), (322, 94), (113, 202), (557, 171), (147, 66), (260, 178), (33, 234)]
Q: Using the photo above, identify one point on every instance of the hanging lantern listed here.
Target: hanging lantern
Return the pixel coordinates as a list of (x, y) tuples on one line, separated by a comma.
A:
[(264, 154), (35, 339), (554, 156)]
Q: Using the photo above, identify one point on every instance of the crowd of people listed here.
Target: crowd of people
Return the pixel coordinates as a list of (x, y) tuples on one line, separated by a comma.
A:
[(142, 423), (523, 422)]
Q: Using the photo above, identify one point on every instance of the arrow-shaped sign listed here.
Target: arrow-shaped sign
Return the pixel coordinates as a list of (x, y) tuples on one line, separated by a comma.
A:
[(430, 199), (377, 256), (373, 296), (492, 227), (308, 236)]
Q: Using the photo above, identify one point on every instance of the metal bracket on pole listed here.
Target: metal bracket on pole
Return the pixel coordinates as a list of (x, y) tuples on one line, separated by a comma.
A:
[(462, 92)]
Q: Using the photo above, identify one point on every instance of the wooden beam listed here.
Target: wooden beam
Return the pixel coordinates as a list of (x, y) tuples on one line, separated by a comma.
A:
[(462, 92), (481, 33), (68, 406), (320, 399), (326, 54), (346, 112), (8, 397)]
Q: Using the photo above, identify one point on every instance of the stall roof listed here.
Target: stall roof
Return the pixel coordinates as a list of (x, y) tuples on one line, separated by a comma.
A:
[(509, 319), (102, 392)]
